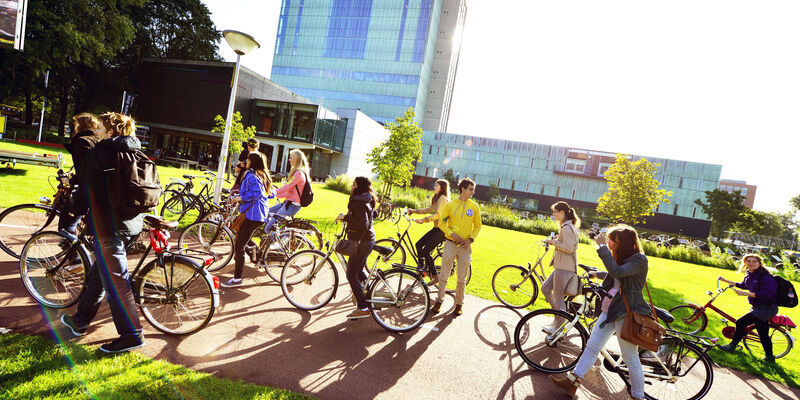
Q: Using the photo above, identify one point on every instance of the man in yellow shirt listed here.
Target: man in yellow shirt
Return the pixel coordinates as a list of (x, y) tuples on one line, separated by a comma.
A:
[(460, 222)]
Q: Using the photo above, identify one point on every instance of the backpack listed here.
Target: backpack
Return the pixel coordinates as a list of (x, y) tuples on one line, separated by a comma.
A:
[(786, 295), (307, 197), (134, 183)]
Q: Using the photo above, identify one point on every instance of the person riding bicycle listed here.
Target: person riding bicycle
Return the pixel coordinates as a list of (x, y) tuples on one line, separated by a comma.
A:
[(435, 236), (112, 231), (626, 263), (360, 214), (291, 191), (761, 291), (565, 259), (253, 195)]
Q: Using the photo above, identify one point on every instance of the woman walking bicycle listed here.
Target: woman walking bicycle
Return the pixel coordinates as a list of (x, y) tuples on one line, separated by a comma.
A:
[(565, 259), (434, 237)]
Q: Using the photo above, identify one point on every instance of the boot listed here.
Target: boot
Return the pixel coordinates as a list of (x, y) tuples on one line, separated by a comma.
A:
[(570, 383)]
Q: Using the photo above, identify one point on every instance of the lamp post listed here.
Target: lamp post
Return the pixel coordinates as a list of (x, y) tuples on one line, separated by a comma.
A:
[(241, 43)]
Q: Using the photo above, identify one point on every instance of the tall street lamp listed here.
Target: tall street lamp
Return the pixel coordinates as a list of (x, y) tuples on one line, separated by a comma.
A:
[(241, 43)]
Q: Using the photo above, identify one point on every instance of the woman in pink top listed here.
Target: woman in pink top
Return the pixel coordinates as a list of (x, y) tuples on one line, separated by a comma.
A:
[(290, 191)]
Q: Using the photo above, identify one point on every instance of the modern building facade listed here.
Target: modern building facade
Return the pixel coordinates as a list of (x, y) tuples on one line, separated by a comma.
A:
[(178, 100), (748, 191), (537, 175), (380, 56)]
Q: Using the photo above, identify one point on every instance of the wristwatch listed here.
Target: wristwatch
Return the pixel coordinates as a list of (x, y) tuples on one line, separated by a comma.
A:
[(602, 245)]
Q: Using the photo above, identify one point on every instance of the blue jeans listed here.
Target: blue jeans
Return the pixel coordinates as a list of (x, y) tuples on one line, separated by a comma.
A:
[(630, 353), (285, 209), (68, 223), (109, 276)]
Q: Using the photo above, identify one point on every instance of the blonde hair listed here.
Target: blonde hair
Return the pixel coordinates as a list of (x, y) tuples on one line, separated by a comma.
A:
[(302, 162), (118, 124), (85, 122), (743, 266)]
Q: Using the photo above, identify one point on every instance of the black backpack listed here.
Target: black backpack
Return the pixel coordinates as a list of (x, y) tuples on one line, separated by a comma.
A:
[(786, 296), (134, 183), (307, 197)]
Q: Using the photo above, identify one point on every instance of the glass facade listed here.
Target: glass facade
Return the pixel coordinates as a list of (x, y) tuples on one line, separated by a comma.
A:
[(306, 123), (562, 172)]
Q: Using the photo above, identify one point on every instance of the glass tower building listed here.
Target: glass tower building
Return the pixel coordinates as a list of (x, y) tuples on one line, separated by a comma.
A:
[(380, 56)]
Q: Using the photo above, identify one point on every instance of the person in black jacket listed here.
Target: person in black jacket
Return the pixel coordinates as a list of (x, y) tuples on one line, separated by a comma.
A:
[(108, 276), (360, 212), (251, 145), (86, 132)]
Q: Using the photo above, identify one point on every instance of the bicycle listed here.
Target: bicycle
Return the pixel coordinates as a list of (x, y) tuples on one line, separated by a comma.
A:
[(174, 291), (692, 319), (681, 368), (20, 222), (398, 299), (276, 246), (515, 286), (387, 210), (185, 206)]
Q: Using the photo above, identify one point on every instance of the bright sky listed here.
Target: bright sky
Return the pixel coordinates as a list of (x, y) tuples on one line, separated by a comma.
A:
[(714, 81)]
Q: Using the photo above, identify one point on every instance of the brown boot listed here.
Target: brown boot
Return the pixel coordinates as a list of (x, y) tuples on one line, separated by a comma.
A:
[(566, 383)]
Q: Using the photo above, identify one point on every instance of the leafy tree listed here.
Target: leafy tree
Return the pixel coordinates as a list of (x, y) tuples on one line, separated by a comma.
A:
[(452, 178), (724, 208), (393, 160), (633, 191), (493, 192), (761, 223), (239, 134), (795, 202)]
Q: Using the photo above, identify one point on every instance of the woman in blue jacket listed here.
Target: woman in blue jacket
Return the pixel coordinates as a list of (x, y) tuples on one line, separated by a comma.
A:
[(762, 289), (253, 193)]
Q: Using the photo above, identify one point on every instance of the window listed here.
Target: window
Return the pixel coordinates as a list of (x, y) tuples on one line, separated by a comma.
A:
[(699, 184), (675, 211), (512, 184), (527, 186), (680, 184), (347, 75), (477, 155), (558, 190), (402, 29), (576, 165), (602, 168), (423, 24), (426, 171), (573, 194), (694, 212), (744, 191), (430, 149), (348, 26)]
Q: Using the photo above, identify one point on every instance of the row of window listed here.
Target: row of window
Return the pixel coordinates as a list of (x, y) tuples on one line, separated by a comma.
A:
[(359, 97), (731, 189), (347, 75)]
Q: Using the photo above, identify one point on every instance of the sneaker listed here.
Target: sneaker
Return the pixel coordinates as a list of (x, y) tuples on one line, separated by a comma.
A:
[(358, 314), (550, 329), (436, 307), (458, 310), (66, 319), (123, 344), (769, 359), (233, 282), (727, 348)]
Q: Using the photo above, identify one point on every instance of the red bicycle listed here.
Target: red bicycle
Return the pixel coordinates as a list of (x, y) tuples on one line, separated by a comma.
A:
[(691, 319)]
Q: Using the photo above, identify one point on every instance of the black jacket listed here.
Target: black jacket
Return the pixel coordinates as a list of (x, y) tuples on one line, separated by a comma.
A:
[(94, 191), (78, 146), (359, 217)]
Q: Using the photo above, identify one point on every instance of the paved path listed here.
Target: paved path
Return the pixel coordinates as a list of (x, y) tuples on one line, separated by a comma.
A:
[(257, 336)]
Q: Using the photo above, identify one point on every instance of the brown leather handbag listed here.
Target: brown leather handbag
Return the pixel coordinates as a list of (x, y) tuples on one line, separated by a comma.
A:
[(642, 330)]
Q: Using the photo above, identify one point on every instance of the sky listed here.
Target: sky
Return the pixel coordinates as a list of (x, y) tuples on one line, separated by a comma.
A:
[(706, 81)]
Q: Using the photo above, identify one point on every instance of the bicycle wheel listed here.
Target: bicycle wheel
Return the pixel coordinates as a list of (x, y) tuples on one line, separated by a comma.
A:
[(514, 286), (175, 298), (396, 213), (550, 353), (53, 270), (398, 256), (18, 223), (383, 211), (781, 342), (398, 300), (688, 319), (312, 233), (209, 237), (691, 370), (278, 252), (309, 280), (182, 208)]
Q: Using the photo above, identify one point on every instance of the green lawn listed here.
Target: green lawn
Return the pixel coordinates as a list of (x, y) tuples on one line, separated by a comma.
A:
[(671, 282)]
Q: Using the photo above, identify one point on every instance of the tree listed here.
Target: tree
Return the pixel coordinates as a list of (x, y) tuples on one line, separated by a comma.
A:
[(450, 177), (633, 191), (724, 208), (493, 192), (239, 134), (393, 160), (761, 223)]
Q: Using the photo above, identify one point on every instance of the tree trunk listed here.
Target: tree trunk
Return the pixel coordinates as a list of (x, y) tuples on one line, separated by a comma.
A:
[(28, 108), (63, 102)]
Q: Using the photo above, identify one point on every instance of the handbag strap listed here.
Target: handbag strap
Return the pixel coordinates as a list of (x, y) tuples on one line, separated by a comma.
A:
[(628, 308)]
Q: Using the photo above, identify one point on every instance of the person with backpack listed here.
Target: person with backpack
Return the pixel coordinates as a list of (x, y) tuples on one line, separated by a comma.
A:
[(254, 205), (87, 131), (293, 191), (565, 259), (113, 225), (761, 291)]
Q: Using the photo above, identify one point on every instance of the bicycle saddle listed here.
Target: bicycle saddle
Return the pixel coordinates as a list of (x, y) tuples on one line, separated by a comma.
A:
[(159, 223), (383, 250), (587, 268)]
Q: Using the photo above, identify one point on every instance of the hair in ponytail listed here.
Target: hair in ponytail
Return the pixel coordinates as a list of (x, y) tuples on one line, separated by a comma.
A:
[(118, 124), (569, 212)]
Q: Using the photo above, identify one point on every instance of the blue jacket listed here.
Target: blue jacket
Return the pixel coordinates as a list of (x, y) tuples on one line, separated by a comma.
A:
[(254, 198)]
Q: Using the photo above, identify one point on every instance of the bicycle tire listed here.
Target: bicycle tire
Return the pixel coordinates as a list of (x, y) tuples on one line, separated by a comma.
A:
[(781, 342), (399, 300), (683, 359), (688, 319), (514, 286), (184, 208), (396, 214), (398, 256), (176, 299), (551, 357), (304, 291), (209, 237), (50, 287), (314, 235), (277, 254), (20, 222)]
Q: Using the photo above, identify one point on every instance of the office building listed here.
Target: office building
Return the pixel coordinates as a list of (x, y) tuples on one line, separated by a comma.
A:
[(380, 56), (748, 191)]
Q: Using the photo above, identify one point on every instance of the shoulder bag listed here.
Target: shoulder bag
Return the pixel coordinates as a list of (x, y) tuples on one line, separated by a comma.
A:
[(348, 247), (642, 330)]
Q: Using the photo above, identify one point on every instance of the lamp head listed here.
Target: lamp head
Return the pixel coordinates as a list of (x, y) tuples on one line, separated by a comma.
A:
[(241, 43)]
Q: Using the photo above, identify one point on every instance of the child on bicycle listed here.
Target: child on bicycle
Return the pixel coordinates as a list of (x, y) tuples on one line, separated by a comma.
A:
[(435, 236)]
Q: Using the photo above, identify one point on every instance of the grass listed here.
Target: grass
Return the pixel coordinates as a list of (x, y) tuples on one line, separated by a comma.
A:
[(671, 282), (35, 367)]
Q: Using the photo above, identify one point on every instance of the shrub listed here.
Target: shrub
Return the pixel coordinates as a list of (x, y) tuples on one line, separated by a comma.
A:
[(341, 183)]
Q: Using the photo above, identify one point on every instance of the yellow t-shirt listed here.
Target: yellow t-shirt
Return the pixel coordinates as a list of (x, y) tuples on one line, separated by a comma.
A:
[(462, 218)]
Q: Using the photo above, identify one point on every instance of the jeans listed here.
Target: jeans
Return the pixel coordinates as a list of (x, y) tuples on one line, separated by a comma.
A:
[(425, 246), (630, 353), (68, 222), (355, 271), (285, 209), (242, 238), (762, 327), (109, 277)]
